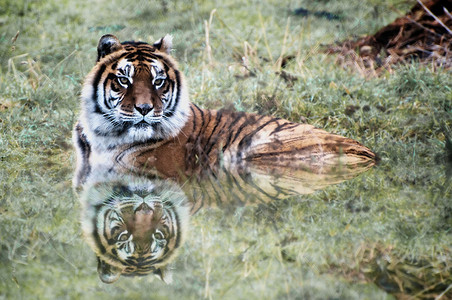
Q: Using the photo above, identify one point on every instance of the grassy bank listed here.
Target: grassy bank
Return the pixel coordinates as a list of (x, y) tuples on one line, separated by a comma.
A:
[(385, 233)]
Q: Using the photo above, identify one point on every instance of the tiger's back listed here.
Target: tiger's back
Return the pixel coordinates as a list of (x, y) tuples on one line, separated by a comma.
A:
[(242, 138)]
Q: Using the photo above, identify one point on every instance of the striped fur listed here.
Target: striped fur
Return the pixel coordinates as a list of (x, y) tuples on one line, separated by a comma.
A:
[(238, 140), (136, 116), (134, 225), (134, 94)]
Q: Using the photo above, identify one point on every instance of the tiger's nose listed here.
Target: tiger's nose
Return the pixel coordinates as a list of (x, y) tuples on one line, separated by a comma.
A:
[(143, 109)]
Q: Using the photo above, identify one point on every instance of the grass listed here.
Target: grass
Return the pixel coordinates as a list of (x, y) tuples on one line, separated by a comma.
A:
[(386, 233)]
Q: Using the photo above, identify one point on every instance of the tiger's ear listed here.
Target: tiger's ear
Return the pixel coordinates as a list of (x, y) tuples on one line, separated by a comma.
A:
[(107, 272), (164, 274), (107, 44), (165, 44)]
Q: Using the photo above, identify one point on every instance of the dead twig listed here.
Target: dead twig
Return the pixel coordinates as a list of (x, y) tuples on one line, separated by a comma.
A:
[(434, 17)]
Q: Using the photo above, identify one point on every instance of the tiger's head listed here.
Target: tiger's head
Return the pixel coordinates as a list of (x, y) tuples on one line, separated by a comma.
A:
[(135, 93), (135, 226)]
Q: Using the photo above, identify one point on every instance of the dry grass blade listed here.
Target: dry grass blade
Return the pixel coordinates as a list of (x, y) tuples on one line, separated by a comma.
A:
[(14, 39), (435, 17), (207, 27)]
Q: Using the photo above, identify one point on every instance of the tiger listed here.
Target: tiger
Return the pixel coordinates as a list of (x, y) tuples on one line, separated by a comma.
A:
[(135, 225), (136, 116)]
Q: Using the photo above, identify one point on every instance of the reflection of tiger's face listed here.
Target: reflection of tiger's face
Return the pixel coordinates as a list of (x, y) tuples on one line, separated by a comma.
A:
[(135, 229), (134, 93)]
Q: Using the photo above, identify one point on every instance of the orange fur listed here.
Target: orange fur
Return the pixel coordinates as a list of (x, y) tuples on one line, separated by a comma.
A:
[(136, 116), (240, 140)]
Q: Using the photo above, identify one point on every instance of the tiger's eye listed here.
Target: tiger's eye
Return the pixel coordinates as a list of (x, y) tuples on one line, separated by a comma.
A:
[(158, 82), (158, 235), (123, 236), (123, 80)]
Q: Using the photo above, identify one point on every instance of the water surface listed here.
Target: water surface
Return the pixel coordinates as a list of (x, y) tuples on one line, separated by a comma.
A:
[(242, 235)]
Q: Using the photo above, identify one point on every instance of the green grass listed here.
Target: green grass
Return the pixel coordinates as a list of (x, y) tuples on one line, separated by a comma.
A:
[(383, 234)]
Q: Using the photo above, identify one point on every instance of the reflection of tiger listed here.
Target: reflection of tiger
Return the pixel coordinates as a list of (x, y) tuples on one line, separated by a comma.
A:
[(135, 226), (136, 115)]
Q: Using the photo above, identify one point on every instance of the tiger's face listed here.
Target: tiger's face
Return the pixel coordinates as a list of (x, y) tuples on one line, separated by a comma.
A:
[(135, 93), (136, 228)]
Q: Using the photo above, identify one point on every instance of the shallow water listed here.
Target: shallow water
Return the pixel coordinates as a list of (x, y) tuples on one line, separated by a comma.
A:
[(240, 235)]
